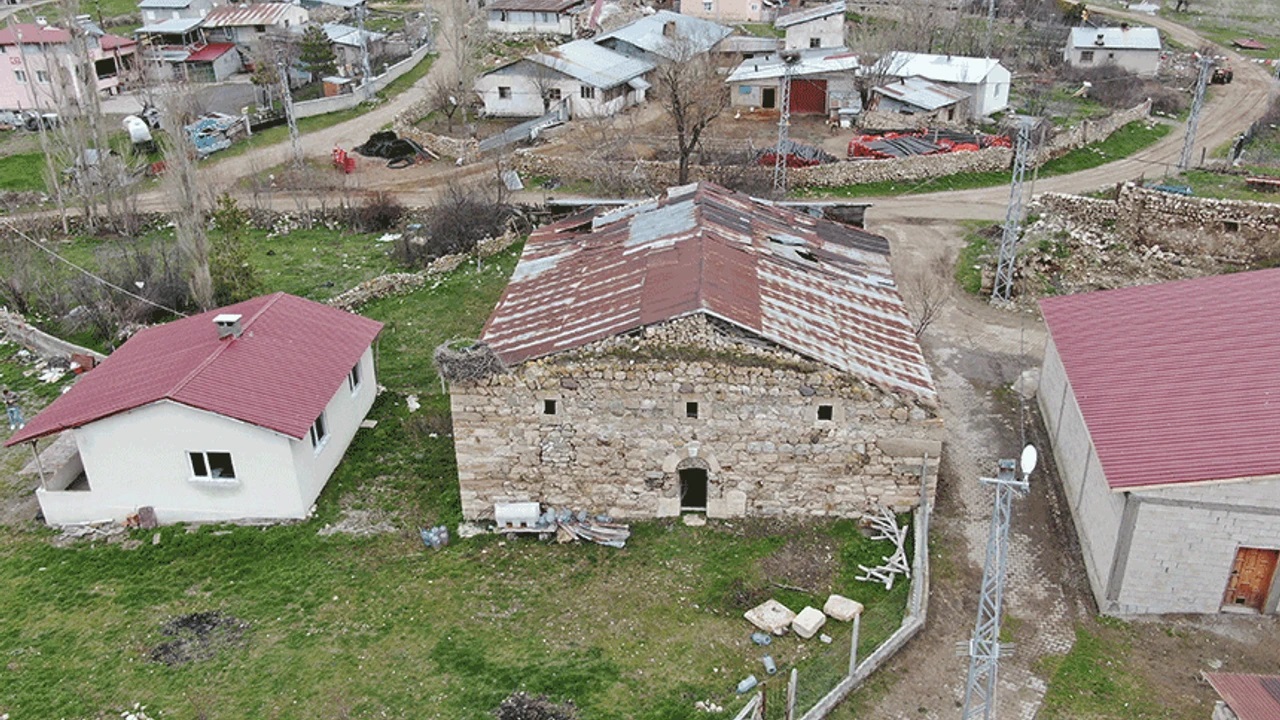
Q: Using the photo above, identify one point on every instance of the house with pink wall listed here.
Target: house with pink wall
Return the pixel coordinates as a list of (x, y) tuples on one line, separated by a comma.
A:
[(731, 11), (39, 64)]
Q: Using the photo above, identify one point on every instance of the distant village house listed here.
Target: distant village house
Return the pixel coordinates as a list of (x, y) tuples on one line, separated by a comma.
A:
[(815, 27), (545, 17), (1133, 49), (41, 64)]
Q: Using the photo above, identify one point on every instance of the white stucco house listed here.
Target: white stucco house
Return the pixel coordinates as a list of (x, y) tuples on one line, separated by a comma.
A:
[(544, 17), (822, 81), (731, 11), (591, 80), (1160, 403), (248, 25), (984, 79), (1135, 49), (821, 26), (242, 412)]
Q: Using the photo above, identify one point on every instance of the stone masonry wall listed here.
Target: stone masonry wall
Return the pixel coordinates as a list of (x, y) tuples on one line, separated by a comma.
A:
[(620, 434)]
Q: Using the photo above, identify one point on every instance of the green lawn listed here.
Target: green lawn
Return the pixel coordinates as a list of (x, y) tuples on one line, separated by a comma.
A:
[(1124, 142), (1230, 187), (370, 627), (22, 171)]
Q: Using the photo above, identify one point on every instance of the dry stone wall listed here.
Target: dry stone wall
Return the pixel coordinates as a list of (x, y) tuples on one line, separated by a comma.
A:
[(1090, 131), (621, 435), (916, 167), (404, 126)]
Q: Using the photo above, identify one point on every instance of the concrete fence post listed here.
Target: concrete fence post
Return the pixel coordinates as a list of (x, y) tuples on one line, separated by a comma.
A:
[(791, 695), (853, 644)]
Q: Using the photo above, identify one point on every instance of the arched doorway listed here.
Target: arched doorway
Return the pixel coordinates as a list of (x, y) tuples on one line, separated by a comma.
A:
[(693, 490)]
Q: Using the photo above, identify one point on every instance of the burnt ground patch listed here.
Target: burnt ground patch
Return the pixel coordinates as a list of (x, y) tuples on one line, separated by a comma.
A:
[(197, 636)]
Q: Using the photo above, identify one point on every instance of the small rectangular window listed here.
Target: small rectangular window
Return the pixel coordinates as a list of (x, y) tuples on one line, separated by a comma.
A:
[(691, 409), (553, 93), (319, 433), (549, 407), (353, 378), (504, 92), (706, 5), (20, 76), (42, 77), (815, 42), (1086, 56), (211, 466), (1230, 226), (587, 92), (826, 412), (199, 467)]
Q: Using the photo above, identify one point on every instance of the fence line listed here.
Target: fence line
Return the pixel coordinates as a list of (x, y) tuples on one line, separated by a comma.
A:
[(321, 106)]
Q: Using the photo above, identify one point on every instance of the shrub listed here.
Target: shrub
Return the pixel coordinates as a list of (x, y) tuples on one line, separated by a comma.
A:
[(379, 212)]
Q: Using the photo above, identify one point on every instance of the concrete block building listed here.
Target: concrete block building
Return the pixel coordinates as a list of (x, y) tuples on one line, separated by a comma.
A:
[(1161, 406), (699, 352), (1135, 49)]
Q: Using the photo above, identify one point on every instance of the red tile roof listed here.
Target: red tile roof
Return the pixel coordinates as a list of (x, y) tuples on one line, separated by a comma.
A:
[(210, 52), (33, 34), (1250, 697), (291, 357), (816, 287), (1177, 382)]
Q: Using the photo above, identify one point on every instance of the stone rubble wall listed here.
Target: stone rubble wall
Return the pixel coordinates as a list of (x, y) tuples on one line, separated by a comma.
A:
[(405, 127), (915, 167), (1090, 131), (17, 328), (919, 121), (620, 434)]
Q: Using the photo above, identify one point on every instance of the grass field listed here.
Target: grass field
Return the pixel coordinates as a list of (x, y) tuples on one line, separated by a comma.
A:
[(22, 171), (339, 626), (1124, 142), (1229, 187)]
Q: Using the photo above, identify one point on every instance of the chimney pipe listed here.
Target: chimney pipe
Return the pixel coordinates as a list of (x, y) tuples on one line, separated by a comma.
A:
[(228, 325)]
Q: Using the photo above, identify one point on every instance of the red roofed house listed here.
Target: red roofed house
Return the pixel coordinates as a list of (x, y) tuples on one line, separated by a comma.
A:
[(1163, 406), (41, 60), (242, 412), (1246, 697), (700, 352)]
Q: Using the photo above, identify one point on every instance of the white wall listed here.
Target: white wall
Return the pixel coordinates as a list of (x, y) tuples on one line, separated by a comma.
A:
[(520, 21), (526, 99), (342, 418), (727, 10), (829, 32), (1139, 62)]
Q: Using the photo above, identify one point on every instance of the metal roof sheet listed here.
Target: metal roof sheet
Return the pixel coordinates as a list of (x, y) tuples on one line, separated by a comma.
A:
[(555, 6), (1177, 382), (815, 287), (170, 27), (816, 61), (291, 357), (163, 4), (348, 35), (649, 33), (813, 13), (1250, 697), (210, 52), (918, 92), (940, 68), (1132, 38), (247, 15), (592, 64), (748, 44)]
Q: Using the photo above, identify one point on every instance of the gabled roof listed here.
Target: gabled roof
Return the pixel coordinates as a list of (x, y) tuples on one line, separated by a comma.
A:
[(1250, 697), (1177, 382), (248, 15), (340, 34), (291, 357), (115, 42), (815, 287), (1112, 38), (649, 34), (170, 27), (940, 68), (555, 6), (816, 61), (813, 13), (920, 93), (592, 64)]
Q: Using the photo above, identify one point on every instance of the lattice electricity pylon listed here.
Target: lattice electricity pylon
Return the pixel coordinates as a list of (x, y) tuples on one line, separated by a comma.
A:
[(290, 116), (1193, 120), (1003, 286), (991, 28), (789, 60), (984, 648)]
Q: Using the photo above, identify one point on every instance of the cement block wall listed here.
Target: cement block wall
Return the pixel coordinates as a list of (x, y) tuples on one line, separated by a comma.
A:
[(1095, 508), (620, 433)]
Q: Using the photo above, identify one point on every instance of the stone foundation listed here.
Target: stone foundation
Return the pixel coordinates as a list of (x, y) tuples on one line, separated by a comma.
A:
[(621, 435)]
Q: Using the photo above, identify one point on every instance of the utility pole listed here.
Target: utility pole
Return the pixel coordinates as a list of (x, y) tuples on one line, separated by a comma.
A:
[(287, 95), (1003, 287), (984, 648), (991, 28), (362, 10), (789, 60), (1193, 120)]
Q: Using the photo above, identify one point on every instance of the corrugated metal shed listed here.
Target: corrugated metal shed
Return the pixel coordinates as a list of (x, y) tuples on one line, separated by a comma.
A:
[(815, 287), (292, 356), (247, 15), (813, 13), (1177, 382), (649, 33), (1250, 697), (816, 61), (592, 64), (940, 68), (920, 93), (1132, 38)]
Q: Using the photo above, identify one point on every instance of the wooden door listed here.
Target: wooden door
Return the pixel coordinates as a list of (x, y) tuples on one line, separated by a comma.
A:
[(1251, 577)]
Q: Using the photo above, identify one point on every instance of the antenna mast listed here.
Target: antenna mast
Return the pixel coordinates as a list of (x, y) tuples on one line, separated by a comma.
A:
[(1003, 286)]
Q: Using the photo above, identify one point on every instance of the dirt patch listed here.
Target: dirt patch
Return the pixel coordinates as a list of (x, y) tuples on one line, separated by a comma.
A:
[(807, 564), (197, 636)]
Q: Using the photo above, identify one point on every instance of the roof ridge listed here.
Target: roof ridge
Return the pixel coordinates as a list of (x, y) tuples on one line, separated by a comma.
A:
[(217, 352)]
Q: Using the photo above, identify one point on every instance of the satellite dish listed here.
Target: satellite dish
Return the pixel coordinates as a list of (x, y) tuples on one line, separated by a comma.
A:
[(1029, 459)]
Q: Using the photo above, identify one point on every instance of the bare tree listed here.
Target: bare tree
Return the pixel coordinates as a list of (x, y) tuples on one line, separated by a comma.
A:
[(461, 36), (693, 93), (927, 291), (184, 189)]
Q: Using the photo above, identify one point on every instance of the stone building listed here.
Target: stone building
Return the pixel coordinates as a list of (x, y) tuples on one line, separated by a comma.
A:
[(699, 352), (1160, 404)]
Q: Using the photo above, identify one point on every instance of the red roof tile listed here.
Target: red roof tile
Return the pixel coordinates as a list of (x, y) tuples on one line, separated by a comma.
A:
[(815, 287), (1177, 382), (1250, 697), (291, 357)]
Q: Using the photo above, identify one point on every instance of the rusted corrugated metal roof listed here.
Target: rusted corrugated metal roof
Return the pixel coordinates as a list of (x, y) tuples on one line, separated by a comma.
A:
[(815, 287), (1250, 697), (247, 15), (1177, 382)]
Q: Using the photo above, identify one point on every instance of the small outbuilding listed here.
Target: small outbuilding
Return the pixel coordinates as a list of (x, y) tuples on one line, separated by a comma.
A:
[(591, 80), (923, 100), (698, 352), (241, 412), (1161, 405), (822, 80), (1134, 49), (985, 80), (821, 26)]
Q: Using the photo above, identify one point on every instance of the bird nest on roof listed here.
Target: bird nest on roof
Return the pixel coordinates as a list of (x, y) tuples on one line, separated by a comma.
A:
[(467, 361)]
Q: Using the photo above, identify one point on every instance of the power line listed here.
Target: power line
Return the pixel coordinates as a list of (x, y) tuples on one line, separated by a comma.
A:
[(108, 283)]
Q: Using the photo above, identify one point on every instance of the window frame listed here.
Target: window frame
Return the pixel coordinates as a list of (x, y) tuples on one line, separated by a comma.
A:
[(20, 76), (587, 92), (553, 93), (319, 432), (504, 92), (204, 473), (354, 378), (1086, 56), (692, 409), (550, 406), (42, 77)]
